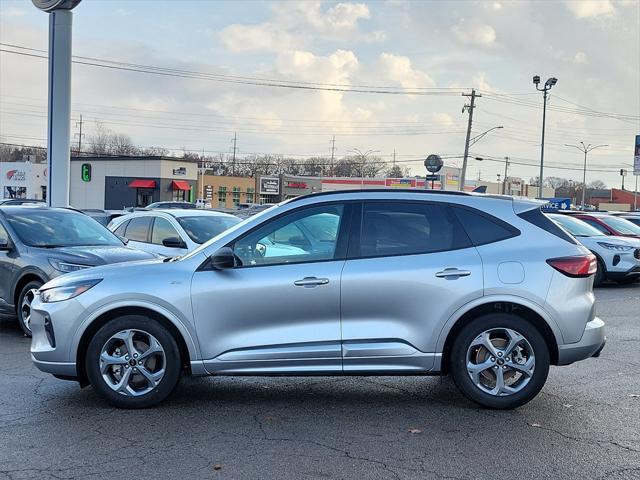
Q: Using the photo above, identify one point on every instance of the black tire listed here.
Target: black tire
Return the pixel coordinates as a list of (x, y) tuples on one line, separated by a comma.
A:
[(600, 275), (172, 364), (458, 360), (20, 310)]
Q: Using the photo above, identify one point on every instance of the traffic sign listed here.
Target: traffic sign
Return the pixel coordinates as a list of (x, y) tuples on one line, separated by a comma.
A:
[(433, 163)]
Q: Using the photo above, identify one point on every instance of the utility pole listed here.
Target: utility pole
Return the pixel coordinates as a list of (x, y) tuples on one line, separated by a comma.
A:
[(584, 149), (79, 135), (504, 180), (469, 108), (233, 158), (333, 153)]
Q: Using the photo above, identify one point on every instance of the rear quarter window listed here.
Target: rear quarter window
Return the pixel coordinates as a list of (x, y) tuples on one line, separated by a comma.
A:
[(483, 228), (540, 220)]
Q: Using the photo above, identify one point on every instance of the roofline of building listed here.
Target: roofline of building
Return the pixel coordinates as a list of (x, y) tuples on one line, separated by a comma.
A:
[(131, 158)]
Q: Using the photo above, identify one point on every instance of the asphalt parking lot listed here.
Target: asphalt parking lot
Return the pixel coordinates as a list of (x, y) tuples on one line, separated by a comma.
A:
[(585, 424)]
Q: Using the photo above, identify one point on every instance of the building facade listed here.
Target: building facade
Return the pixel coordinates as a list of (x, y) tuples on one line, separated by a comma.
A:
[(114, 183), (226, 192), (23, 180)]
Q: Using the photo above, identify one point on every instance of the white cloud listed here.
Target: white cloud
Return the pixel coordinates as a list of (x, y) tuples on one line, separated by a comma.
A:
[(398, 69), (12, 12), (580, 58), (265, 37), (343, 17), (474, 32), (590, 8)]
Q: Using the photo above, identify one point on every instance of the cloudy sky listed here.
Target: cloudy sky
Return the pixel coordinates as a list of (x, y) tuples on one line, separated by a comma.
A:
[(408, 62)]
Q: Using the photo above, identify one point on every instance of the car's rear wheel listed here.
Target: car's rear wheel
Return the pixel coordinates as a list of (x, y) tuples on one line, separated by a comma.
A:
[(23, 307), (499, 361), (601, 274), (133, 362)]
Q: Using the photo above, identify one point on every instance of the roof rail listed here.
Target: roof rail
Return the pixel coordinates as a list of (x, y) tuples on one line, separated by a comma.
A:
[(382, 190)]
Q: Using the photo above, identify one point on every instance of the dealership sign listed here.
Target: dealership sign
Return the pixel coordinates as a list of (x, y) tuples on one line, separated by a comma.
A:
[(16, 176), (555, 204), (269, 185)]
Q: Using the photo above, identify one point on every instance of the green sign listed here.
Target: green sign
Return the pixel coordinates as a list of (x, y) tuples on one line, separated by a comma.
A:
[(86, 172)]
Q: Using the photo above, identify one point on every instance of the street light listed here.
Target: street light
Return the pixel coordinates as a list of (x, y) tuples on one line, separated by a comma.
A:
[(470, 142), (547, 86), (584, 149)]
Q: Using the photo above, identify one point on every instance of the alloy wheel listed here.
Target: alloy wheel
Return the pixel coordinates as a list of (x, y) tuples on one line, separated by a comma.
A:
[(25, 307), (500, 361), (132, 362)]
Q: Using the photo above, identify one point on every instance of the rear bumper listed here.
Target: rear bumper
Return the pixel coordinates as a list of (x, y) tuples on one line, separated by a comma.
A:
[(591, 343)]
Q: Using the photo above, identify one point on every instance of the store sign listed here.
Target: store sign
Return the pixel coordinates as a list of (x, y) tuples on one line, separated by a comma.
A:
[(180, 171), (16, 176), (269, 185), (86, 172), (208, 192), (452, 179), (301, 185), (400, 182)]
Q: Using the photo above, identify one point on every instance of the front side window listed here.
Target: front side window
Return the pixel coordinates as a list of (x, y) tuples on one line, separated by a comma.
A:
[(399, 228), (307, 235), (59, 228), (162, 229)]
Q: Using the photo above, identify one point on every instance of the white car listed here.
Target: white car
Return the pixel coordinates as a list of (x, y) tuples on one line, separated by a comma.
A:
[(170, 233), (618, 257)]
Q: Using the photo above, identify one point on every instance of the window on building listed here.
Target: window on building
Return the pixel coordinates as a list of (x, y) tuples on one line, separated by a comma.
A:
[(250, 194), (235, 196), (222, 196), (179, 196)]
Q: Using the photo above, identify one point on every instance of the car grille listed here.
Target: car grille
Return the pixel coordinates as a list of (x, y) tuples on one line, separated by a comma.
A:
[(636, 253)]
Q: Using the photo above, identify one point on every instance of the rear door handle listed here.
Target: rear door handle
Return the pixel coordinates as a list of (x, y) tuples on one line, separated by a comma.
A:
[(311, 282), (453, 273)]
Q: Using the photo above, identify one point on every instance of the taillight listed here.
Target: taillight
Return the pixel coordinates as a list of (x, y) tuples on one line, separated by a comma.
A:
[(581, 266)]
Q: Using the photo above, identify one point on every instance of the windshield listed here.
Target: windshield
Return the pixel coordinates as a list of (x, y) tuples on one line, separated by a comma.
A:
[(59, 228), (576, 227), (622, 225), (204, 228)]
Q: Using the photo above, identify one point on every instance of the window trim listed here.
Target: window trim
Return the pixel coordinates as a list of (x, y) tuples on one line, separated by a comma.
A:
[(356, 229), (339, 255)]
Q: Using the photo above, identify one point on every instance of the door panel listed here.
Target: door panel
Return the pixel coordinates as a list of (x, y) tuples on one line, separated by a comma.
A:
[(257, 319), (420, 271)]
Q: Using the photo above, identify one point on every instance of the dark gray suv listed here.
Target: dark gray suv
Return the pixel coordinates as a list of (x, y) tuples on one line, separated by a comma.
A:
[(39, 243)]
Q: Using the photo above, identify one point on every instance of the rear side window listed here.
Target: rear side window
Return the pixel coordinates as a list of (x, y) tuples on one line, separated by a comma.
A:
[(162, 229), (399, 228), (483, 228), (138, 229), (540, 220)]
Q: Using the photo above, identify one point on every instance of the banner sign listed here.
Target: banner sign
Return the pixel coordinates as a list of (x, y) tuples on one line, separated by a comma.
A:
[(555, 204)]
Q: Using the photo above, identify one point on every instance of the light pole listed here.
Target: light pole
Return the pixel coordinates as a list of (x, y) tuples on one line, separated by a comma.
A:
[(470, 142), (547, 86), (59, 94), (363, 157), (584, 149)]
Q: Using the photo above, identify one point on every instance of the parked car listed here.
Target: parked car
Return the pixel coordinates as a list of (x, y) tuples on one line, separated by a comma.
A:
[(167, 205), (618, 257), (20, 201), (103, 217), (38, 243), (608, 224), (171, 232), (485, 288)]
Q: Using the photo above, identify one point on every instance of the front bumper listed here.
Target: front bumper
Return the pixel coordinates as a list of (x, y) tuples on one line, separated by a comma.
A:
[(591, 344), (632, 272)]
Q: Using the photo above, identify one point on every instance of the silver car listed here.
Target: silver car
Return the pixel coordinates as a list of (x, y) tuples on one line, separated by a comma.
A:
[(373, 282)]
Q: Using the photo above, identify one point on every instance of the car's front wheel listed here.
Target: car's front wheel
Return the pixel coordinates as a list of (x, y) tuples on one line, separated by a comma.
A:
[(133, 362), (23, 307), (499, 361)]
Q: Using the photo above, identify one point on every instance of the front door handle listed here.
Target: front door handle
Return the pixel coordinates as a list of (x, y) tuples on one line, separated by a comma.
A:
[(453, 273), (311, 282)]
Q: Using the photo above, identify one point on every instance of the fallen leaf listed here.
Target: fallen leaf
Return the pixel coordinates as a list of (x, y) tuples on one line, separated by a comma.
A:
[(217, 466), (414, 431)]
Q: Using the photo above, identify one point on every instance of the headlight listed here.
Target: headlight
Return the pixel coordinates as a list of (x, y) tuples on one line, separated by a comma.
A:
[(66, 267), (67, 292), (616, 247)]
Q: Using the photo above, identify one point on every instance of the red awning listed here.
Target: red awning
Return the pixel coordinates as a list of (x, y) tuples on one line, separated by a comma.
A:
[(180, 185), (143, 184)]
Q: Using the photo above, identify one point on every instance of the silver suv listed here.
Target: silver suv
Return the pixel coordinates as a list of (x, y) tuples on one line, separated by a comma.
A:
[(361, 282)]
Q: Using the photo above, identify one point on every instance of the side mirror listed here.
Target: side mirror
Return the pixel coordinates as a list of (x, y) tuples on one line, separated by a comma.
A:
[(4, 244), (223, 259), (173, 242)]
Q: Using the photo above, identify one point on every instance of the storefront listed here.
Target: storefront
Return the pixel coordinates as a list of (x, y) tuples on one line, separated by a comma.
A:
[(226, 192), (114, 183), (23, 180)]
